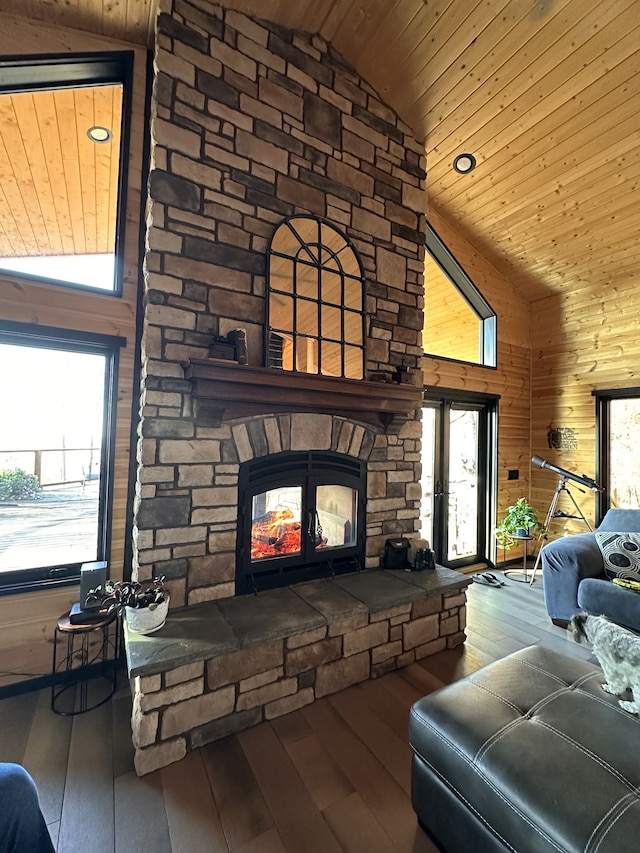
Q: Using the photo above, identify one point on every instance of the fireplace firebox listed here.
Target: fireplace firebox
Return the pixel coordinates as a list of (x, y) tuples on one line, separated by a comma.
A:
[(301, 516)]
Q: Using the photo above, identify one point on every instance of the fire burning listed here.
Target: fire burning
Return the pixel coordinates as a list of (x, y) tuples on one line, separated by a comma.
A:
[(275, 533)]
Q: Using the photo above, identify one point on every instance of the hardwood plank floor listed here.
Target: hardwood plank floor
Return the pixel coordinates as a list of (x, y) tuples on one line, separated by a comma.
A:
[(332, 777)]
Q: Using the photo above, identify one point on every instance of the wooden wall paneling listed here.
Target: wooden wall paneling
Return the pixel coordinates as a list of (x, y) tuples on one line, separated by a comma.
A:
[(26, 633), (448, 316), (588, 341)]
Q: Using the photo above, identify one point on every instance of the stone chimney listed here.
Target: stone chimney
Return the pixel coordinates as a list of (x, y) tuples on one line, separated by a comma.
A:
[(251, 124)]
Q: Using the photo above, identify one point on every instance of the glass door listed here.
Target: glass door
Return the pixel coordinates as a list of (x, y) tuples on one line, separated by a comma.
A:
[(457, 458), (463, 463), (618, 460)]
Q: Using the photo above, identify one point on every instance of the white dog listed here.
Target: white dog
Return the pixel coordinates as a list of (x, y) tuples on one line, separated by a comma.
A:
[(618, 653)]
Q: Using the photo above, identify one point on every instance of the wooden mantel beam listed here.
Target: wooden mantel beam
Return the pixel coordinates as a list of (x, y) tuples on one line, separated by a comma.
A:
[(227, 390)]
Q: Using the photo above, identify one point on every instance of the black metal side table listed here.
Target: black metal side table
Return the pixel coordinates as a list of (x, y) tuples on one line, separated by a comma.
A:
[(525, 577), (85, 668)]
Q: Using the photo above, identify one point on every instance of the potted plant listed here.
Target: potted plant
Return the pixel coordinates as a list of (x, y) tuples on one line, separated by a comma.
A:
[(145, 607), (520, 520)]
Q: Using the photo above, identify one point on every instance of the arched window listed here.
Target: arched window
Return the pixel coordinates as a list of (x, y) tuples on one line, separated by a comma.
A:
[(316, 300)]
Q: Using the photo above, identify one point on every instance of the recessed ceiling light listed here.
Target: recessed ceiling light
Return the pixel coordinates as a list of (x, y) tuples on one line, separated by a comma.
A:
[(99, 134), (464, 163)]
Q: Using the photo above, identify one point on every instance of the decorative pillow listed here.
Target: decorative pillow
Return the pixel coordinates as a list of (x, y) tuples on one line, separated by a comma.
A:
[(621, 554)]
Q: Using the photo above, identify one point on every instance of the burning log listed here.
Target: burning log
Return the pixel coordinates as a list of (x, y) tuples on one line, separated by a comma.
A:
[(275, 533)]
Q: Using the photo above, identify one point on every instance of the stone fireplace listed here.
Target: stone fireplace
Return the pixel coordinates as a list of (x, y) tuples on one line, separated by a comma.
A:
[(252, 127), (253, 124)]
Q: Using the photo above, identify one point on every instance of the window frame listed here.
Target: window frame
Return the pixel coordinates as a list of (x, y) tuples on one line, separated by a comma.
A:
[(44, 72), (443, 401), (297, 298), (49, 337), (452, 269), (603, 426)]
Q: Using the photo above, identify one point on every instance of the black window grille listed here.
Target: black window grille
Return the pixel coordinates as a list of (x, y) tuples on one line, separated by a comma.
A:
[(316, 300)]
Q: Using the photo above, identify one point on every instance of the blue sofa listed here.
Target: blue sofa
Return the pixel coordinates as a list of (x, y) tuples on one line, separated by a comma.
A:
[(574, 579)]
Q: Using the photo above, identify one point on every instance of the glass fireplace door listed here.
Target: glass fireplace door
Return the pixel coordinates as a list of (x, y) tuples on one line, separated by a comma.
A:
[(335, 517), (276, 522), (301, 516)]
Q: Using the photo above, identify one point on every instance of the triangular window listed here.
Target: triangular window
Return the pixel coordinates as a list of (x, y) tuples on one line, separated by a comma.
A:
[(458, 321)]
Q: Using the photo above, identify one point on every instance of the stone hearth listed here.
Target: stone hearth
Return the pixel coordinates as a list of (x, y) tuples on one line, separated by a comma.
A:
[(221, 667)]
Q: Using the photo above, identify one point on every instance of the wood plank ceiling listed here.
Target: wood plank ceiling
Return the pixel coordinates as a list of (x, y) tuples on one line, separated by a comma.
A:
[(44, 146), (544, 93)]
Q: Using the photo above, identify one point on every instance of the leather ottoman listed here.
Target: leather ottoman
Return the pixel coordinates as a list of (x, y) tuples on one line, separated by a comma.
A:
[(530, 755)]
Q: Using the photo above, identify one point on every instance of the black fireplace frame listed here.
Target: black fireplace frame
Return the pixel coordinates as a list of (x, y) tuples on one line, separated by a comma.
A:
[(308, 469)]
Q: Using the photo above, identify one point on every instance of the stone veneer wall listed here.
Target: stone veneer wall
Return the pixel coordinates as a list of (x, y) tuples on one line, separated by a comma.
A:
[(252, 123)]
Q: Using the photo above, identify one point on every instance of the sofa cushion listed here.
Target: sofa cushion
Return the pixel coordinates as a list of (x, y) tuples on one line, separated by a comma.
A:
[(620, 519), (536, 751), (620, 554), (604, 598)]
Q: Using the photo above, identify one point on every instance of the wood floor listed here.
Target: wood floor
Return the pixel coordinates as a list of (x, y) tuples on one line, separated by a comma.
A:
[(332, 777)]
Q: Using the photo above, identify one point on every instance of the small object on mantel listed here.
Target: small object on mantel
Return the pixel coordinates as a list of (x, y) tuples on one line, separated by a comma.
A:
[(238, 338), (222, 348), (401, 374), (381, 377)]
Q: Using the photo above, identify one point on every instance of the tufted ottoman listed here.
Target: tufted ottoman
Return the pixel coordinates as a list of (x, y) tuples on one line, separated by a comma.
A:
[(528, 754)]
